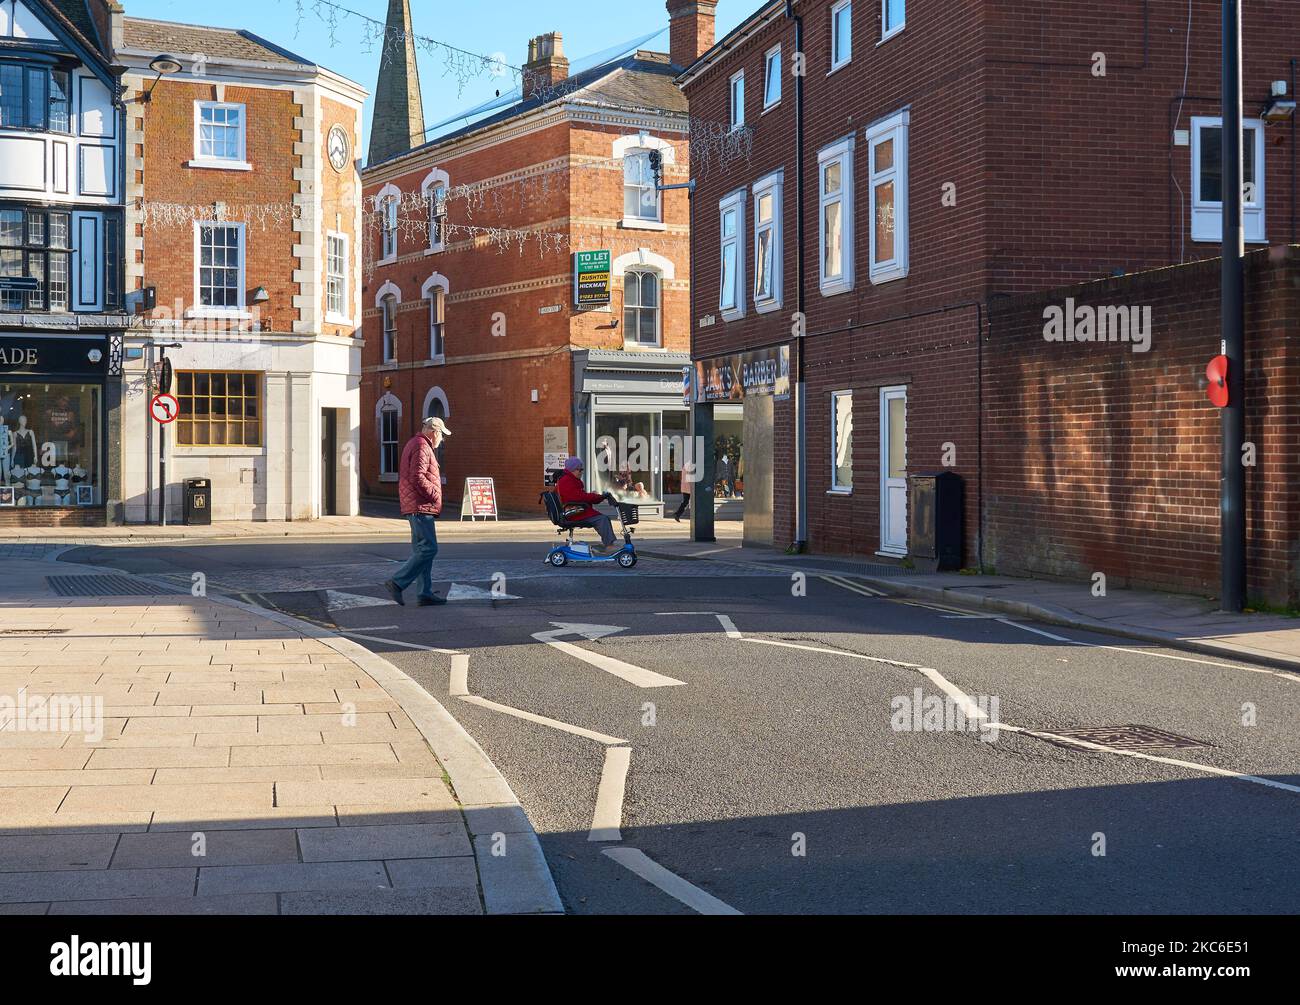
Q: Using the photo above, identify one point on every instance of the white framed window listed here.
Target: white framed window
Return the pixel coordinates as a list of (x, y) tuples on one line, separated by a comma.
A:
[(388, 309), (835, 229), (220, 135), (437, 323), (435, 291), (219, 269), (842, 441), (435, 187), (893, 17), (388, 424), (336, 278), (841, 34), (738, 100), (768, 234), (731, 296), (1207, 179), (772, 78), (641, 308), (437, 218), (887, 167), (641, 200), (390, 229)]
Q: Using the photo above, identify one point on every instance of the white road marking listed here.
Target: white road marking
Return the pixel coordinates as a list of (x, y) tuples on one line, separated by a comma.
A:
[(1148, 652), (670, 883), (395, 642), (729, 627), (1039, 631), (1192, 765), (460, 591), (960, 697), (376, 628), (972, 710), (837, 652), (636, 675), (608, 817), (541, 720), (338, 601), (459, 676), (714, 551)]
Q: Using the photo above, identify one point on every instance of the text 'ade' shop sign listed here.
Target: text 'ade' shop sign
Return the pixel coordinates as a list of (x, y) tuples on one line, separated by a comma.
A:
[(479, 499), (591, 283), (26, 354), (745, 374)]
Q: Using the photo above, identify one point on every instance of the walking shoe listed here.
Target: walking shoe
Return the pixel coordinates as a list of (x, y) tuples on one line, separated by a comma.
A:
[(434, 601), (395, 592)]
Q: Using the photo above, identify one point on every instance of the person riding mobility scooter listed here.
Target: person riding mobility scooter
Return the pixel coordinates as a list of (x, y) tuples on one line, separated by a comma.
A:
[(569, 507)]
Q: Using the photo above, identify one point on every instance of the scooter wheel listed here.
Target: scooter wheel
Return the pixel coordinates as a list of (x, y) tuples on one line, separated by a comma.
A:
[(558, 559), (627, 559)]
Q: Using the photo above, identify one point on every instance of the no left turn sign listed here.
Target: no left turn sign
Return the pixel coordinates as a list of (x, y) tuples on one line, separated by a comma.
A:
[(164, 408)]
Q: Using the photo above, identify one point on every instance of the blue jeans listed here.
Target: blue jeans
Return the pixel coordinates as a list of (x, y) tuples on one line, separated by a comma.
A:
[(424, 549)]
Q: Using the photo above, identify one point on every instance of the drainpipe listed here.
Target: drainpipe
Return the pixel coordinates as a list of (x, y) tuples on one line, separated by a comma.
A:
[(800, 387)]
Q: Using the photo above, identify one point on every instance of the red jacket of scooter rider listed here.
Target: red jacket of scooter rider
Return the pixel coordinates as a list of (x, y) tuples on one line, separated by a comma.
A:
[(573, 493)]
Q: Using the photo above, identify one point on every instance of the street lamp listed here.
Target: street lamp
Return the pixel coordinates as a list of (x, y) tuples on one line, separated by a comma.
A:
[(164, 66)]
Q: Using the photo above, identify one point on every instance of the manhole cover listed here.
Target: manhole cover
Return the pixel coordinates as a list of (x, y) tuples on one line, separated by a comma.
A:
[(105, 586), (1130, 737)]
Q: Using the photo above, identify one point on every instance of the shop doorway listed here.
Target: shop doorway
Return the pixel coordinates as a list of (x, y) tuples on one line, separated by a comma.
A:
[(893, 471), (729, 461), (753, 468), (329, 462)]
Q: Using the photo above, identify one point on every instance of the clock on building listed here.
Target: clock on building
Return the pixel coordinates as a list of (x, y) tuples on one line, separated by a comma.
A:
[(340, 148)]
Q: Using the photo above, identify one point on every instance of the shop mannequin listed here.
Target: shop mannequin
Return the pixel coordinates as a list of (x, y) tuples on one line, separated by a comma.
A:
[(24, 449), (6, 447)]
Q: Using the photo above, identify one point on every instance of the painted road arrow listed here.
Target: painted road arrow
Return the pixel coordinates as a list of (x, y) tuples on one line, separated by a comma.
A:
[(624, 671)]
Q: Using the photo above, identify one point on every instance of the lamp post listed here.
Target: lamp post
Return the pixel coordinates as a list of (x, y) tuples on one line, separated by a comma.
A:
[(1232, 530)]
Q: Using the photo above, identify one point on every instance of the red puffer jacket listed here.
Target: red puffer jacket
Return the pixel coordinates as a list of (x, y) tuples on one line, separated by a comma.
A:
[(572, 491), (419, 485)]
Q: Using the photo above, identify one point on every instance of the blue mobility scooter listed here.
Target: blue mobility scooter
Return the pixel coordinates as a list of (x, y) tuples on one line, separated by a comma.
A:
[(571, 551)]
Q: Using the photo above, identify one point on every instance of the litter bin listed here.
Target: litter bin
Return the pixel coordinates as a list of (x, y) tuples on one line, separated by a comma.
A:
[(935, 511), (198, 502)]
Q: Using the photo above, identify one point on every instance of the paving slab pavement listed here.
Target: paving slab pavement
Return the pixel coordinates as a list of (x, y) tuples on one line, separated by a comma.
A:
[(172, 754)]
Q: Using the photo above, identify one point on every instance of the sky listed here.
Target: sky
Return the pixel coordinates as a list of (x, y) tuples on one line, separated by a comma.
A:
[(499, 28)]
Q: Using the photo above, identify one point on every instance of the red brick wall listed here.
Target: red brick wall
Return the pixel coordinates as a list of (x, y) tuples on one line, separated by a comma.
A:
[(1060, 176), (488, 380), (1099, 459), (41, 516), (168, 123)]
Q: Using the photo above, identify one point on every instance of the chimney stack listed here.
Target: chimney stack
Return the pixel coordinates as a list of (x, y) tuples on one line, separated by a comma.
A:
[(398, 122), (690, 30), (546, 64)]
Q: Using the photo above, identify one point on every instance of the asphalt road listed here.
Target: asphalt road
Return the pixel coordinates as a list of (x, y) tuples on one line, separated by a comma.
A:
[(774, 779)]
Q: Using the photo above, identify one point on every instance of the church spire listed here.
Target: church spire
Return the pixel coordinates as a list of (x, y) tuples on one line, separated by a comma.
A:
[(398, 122)]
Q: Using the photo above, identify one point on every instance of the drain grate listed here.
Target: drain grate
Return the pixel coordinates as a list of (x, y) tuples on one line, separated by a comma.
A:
[(105, 586), (1130, 737)]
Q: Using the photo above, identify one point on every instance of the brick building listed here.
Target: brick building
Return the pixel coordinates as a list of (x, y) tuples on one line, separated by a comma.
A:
[(244, 216), (952, 156), (470, 298)]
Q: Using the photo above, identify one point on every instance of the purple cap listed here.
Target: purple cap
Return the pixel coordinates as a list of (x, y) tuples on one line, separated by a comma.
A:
[(573, 464)]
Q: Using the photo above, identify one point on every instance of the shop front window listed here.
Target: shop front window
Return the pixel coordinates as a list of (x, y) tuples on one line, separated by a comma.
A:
[(625, 462), (50, 445)]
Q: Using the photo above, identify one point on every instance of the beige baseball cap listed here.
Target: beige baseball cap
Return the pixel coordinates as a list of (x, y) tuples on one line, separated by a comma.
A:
[(433, 422)]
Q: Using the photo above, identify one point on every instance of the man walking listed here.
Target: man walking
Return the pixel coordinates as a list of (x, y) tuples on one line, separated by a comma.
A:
[(419, 488)]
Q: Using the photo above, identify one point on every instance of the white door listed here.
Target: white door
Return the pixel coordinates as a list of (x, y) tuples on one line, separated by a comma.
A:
[(893, 470)]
